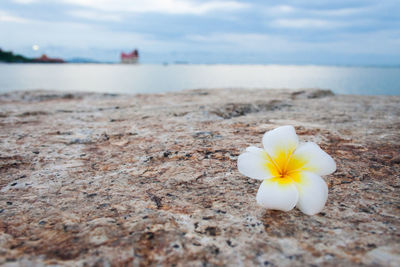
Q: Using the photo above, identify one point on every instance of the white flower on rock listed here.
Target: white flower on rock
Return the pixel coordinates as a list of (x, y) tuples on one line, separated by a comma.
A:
[(291, 171)]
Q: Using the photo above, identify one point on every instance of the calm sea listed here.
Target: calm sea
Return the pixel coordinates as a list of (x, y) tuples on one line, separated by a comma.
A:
[(144, 78)]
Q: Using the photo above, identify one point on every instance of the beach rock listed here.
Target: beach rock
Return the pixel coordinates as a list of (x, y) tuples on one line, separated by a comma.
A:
[(317, 93), (146, 180)]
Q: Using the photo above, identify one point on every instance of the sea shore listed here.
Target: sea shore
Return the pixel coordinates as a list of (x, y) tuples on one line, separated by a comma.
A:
[(92, 179)]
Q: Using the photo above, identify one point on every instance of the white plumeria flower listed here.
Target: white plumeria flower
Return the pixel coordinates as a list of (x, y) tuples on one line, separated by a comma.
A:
[(291, 172)]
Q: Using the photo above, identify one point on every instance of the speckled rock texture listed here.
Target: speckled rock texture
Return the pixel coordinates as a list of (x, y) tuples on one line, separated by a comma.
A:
[(151, 180)]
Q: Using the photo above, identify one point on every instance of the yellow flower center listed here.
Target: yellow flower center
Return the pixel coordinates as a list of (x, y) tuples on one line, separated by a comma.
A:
[(285, 167)]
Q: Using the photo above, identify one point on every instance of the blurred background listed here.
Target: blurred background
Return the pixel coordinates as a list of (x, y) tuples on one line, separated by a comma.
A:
[(139, 46)]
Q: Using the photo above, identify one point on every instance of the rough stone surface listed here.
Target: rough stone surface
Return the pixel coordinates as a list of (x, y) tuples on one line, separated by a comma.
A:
[(145, 180)]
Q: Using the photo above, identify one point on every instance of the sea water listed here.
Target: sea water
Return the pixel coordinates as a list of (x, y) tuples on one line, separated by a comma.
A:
[(151, 78)]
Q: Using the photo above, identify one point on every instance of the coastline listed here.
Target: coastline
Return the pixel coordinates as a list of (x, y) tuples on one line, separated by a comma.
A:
[(90, 178)]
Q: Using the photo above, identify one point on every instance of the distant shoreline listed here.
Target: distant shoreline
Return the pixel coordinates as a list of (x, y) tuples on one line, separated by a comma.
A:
[(210, 64)]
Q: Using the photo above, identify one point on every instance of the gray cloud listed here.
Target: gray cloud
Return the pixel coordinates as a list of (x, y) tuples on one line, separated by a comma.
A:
[(362, 31)]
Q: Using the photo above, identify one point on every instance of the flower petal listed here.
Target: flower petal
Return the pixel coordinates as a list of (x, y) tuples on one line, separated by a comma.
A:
[(254, 149), (313, 193), (255, 164), (280, 143), (310, 157), (276, 195)]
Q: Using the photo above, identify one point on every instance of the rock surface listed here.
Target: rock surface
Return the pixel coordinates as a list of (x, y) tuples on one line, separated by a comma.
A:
[(143, 180)]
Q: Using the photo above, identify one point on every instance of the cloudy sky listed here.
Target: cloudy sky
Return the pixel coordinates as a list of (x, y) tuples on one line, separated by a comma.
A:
[(211, 31)]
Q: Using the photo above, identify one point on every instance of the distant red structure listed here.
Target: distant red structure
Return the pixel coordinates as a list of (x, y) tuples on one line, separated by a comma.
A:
[(130, 58), (46, 59)]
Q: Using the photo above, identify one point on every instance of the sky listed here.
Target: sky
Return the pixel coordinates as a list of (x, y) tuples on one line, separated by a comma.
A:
[(340, 32)]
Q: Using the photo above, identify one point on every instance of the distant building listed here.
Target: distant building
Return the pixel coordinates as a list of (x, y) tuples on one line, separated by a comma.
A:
[(46, 59), (130, 58)]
